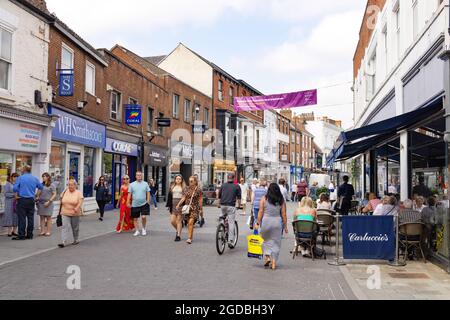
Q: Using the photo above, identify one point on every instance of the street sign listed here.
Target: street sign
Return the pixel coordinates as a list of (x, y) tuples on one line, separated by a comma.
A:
[(133, 114), (198, 129), (164, 122)]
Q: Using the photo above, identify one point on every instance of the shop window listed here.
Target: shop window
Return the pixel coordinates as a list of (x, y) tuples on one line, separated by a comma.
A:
[(57, 167), (5, 58), (6, 161), (107, 170), (23, 161), (89, 171)]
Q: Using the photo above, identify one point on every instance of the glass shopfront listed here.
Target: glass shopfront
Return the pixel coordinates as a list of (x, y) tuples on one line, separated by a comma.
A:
[(119, 159)]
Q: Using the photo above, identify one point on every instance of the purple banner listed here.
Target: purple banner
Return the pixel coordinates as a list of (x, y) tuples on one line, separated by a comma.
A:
[(276, 101)]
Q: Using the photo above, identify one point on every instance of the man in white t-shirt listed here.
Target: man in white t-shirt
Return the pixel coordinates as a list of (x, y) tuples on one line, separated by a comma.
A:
[(244, 196), (294, 192)]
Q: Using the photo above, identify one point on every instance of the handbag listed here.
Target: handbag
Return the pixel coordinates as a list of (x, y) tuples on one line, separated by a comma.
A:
[(186, 210), (59, 222)]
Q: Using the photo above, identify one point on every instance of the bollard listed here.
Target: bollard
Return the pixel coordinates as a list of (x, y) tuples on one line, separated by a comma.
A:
[(396, 262), (337, 261)]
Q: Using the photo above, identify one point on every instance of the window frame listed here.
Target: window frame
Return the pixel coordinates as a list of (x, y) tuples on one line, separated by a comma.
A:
[(150, 117), (72, 52), (187, 111), (119, 104), (92, 66), (220, 90), (9, 62), (176, 107)]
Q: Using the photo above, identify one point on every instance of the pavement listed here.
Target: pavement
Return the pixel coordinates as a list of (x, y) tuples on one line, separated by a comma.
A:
[(116, 266)]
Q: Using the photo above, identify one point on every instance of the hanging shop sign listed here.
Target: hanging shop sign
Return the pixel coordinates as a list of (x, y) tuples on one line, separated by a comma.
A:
[(277, 101), (66, 83), (121, 147), (78, 130), (133, 114), (368, 237)]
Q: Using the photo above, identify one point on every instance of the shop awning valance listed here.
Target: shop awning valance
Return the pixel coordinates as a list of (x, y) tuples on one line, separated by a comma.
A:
[(354, 142)]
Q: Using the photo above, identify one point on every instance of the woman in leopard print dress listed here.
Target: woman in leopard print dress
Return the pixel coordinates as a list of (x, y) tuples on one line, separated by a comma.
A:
[(195, 193)]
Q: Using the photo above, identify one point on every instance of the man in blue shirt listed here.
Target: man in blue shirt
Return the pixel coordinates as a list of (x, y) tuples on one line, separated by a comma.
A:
[(139, 202), (25, 187)]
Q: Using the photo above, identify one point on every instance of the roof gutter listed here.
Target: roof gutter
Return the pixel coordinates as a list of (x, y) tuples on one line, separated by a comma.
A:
[(64, 31)]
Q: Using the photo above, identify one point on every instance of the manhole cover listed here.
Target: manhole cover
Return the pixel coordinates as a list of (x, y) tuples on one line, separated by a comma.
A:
[(409, 276)]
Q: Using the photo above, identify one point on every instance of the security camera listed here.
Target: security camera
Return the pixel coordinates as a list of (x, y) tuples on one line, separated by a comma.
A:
[(82, 104)]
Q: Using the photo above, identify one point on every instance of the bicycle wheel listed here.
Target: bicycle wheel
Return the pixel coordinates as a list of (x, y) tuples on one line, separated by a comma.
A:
[(236, 234), (221, 239)]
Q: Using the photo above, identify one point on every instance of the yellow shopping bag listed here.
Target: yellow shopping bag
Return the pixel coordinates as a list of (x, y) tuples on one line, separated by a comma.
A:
[(255, 243)]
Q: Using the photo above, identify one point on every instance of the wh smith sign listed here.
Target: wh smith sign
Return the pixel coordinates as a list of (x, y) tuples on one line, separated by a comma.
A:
[(78, 130), (121, 147), (368, 238)]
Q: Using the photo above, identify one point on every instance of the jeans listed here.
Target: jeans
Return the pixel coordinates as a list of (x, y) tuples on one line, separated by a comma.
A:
[(25, 214), (153, 200), (101, 207), (230, 212)]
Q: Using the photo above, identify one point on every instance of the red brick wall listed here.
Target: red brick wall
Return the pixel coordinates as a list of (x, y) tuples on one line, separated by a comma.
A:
[(93, 109)]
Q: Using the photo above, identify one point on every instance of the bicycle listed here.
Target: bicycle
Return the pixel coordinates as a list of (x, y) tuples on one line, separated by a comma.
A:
[(222, 235)]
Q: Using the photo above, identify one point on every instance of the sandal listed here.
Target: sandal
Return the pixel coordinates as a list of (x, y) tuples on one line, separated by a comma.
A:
[(267, 262), (189, 241), (47, 235)]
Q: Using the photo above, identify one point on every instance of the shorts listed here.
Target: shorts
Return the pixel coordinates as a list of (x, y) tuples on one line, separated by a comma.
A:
[(136, 213)]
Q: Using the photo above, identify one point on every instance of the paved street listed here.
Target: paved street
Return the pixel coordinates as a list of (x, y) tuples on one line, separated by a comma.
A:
[(155, 267)]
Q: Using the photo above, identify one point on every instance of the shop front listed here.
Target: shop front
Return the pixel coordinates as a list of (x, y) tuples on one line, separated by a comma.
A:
[(156, 161), (181, 160), (120, 158), (76, 151), (25, 142), (222, 168)]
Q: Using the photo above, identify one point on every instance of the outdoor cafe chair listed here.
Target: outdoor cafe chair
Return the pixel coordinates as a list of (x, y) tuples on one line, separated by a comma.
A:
[(305, 235), (411, 237), (325, 221)]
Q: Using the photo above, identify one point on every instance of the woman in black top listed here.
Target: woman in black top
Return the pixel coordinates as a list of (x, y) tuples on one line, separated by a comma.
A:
[(101, 196)]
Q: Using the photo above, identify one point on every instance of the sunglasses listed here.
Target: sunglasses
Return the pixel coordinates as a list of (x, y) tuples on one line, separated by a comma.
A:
[(126, 178)]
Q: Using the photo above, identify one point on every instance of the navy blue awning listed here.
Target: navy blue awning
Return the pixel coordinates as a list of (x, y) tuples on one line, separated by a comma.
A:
[(358, 141)]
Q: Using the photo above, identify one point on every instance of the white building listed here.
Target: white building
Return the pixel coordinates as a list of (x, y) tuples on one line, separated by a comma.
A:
[(325, 132), (401, 91), (24, 92)]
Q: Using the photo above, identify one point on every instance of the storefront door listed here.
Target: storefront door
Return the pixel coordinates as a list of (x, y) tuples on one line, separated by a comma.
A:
[(74, 165)]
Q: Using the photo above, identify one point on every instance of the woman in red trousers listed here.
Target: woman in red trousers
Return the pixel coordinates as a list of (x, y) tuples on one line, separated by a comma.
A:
[(125, 222)]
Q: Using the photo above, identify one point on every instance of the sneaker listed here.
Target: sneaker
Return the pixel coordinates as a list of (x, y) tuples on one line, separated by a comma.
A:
[(144, 233), (136, 234), (61, 245), (75, 243), (177, 239)]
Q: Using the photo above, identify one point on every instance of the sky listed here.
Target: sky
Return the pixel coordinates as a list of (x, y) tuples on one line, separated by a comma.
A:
[(277, 46)]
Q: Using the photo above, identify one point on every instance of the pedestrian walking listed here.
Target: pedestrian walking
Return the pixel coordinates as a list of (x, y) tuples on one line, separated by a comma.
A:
[(193, 199), (153, 193), (345, 195), (125, 221), (302, 190), (45, 205), (102, 196), (176, 191), (257, 195), (283, 189), (10, 219), (139, 202), (201, 219), (272, 220), (28, 189), (228, 195), (313, 191), (294, 192), (244, 196), (71, 211)]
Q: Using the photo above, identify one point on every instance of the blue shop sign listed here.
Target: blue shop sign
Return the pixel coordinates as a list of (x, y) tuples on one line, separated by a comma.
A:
[(66, 83), (133, 114), (368, 237), (75, 129), (121, 147)]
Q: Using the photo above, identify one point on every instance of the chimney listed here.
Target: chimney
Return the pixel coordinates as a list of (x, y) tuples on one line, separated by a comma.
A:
[(40, 4)]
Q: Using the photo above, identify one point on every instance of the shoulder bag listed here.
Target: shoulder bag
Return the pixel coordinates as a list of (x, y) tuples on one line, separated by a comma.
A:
[(59, 222), (186, 210)]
